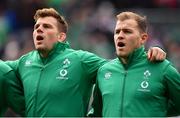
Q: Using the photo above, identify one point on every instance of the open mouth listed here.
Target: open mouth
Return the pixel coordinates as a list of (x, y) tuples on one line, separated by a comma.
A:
[(38, 38), (121, 44)]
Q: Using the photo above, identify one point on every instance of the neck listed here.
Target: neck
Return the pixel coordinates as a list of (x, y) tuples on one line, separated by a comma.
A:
[(44, 54), (134, 55), (124, 60)]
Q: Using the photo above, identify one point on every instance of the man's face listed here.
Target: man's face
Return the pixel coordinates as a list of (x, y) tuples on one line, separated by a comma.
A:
[(45, 33), (127, 37)]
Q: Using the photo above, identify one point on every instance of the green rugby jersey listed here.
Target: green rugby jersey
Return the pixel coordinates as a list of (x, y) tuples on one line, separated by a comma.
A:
[(11, 93), (59, 85), (139, 88)]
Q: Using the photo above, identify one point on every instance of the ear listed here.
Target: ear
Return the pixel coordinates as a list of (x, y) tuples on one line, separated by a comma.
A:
[(144, 38), (61, 36)]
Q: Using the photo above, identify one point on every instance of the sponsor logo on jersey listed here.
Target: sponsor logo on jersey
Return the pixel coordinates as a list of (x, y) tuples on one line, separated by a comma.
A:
[(147, 74), (144, 85), (62, 74), (28, 63), (66, 63), (64, 71), (107, 75)]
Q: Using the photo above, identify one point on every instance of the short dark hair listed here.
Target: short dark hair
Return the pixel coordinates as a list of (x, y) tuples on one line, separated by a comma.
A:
[(45, 12)]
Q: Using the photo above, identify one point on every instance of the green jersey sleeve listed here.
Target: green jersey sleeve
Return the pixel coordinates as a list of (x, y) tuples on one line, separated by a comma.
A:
[(14, 89), (91, 62), (11, 91), (3, 103), (172, 78), (13, 64)]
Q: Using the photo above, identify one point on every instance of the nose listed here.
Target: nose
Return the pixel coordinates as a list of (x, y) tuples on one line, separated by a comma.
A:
[(121, 35), (39, 29)]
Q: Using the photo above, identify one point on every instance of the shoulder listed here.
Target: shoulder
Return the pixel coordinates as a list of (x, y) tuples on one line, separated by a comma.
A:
[(4, 67), (30, 55), (80, 53), (70, 53), (111, 65), (161, 64), (85, 55)]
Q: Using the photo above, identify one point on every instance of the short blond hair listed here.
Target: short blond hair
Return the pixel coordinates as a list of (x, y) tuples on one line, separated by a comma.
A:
[(141, 20), (45, 12)]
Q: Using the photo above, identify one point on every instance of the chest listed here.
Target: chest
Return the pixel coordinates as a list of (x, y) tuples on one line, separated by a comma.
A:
[(56, 76), (136, 82)]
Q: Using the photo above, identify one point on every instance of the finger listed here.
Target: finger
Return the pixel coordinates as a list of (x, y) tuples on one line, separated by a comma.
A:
[(160, 55), (149, 54), (154, 54), (163, 55)]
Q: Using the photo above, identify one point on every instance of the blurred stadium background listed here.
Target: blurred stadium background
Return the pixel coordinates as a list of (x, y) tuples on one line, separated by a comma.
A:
[(91, 25)]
